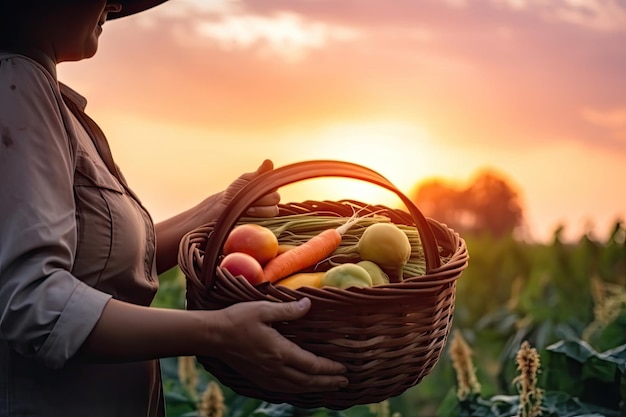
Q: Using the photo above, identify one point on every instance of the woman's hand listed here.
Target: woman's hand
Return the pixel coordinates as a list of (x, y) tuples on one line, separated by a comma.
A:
[(240, 335), (243, 338), (266, 206), (170, 232)]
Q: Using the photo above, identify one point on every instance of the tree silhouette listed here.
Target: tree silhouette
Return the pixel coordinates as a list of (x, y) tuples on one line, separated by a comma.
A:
[(488, 205)]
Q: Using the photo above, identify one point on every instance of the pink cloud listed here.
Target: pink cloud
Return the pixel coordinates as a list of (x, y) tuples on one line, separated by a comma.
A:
[(613, 118), (284, 34)]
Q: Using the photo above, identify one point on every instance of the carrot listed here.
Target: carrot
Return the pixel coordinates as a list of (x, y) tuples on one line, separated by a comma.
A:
[(308, 253)]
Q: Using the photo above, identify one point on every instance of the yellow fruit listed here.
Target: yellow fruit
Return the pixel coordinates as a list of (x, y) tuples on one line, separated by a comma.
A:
[(302, 279), (386, 245)]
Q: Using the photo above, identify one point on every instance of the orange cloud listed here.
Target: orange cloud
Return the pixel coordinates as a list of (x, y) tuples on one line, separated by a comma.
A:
[(613, 118)]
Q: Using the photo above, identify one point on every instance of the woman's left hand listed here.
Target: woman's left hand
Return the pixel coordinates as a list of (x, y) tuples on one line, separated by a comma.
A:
[(171, 231), (266, 206)]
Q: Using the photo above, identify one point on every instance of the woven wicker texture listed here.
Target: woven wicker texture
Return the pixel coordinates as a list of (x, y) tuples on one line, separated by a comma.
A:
[(389, 336)]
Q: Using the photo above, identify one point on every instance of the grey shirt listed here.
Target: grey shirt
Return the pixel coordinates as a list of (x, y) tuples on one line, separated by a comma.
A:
[(72, 235)]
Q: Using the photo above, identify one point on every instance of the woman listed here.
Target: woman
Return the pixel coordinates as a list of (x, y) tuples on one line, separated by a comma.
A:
[(80, 255)]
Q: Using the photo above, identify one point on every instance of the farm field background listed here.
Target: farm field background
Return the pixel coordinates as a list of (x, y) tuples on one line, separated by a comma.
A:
[(545, 294)]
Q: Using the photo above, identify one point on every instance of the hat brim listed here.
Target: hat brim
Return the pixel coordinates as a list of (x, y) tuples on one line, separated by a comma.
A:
[(130, 7)]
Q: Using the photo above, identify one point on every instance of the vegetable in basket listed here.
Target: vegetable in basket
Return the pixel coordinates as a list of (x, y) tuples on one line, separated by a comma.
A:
[(386, 245), (307, 254), (378, 276), (345, 276), (255, 240), (361, 274), (240, 263), (302, 279)]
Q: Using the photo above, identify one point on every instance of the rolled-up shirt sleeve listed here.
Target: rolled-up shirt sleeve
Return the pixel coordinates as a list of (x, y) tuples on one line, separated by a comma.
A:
[(45, 312)]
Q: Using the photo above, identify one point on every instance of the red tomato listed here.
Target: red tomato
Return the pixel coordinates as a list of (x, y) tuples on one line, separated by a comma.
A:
[(239, 263), (253, 239)]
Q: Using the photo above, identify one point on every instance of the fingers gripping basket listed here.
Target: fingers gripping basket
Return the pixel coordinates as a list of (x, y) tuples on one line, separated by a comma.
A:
[(389, 337)]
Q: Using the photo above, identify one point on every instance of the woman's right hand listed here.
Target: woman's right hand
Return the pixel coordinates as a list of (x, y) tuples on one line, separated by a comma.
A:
[(243, 338), (240, 335)]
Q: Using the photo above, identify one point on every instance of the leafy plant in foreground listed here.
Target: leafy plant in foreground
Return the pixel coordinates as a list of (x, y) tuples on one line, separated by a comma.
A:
[(575, 380)]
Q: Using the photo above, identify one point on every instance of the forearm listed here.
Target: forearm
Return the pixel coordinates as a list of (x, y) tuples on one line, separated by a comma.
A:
[(169, 232), (127, 332), (238, 335)]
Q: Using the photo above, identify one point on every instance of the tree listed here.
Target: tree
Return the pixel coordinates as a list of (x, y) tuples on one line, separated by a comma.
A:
[(488, 205)]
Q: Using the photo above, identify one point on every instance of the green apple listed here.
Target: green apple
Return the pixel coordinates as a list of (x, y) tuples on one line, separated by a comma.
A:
[(346, 275), (378, 276)]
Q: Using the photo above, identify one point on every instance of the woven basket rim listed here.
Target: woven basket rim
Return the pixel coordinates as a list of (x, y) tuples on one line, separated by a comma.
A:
[(191, 257)]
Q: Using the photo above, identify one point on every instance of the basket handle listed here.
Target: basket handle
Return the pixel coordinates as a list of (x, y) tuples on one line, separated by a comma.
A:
[(300, 171)]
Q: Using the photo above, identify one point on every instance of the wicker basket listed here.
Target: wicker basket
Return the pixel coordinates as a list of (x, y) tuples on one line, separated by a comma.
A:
[(389, 337)]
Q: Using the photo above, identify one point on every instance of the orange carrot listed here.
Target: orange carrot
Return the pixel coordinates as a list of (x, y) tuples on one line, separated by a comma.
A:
[(308, 253)]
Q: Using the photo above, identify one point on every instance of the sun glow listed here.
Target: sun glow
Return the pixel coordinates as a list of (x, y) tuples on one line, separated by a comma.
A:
[(400, 152)]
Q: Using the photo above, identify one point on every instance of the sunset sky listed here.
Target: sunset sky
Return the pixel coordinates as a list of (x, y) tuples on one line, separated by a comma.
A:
[(195, 92)]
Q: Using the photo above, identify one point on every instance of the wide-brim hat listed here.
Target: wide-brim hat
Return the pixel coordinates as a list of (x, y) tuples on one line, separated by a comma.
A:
[(134, 6)]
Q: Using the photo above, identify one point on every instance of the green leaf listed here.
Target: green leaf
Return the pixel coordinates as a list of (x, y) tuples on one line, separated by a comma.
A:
[(503, 405), (287, 410), (176, 396), (240, 406), (274, 410), (574, 367), (449, 407), (169, 368), (616, 355), (323, 412), (575, 349), (561, 404), (613, 334)]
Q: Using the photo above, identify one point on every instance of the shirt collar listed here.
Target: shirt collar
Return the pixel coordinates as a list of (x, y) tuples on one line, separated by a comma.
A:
[(71, 94)]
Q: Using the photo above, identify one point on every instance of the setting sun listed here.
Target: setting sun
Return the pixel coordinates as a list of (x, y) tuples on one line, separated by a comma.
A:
[(398, 151)]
